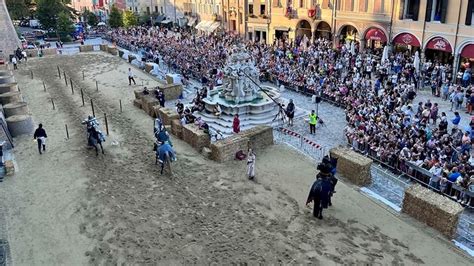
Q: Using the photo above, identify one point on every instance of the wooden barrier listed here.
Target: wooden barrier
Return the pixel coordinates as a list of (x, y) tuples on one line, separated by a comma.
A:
[(432, 209), (195, 137), (86, 48), (353, 166)]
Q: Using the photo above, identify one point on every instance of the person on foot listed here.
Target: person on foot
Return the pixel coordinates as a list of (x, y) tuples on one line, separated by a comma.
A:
[(251, 164), (131, 78), (40, 136)]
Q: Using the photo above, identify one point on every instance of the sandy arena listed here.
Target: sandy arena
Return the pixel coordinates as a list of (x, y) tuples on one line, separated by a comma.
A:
[(69, 207)]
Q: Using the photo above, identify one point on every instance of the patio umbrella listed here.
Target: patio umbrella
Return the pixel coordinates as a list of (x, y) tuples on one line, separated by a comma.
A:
[(353, 48), (416, 62), (385, 54)]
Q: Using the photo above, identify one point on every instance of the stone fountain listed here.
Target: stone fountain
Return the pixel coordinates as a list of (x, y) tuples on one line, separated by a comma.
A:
[(240, 95)]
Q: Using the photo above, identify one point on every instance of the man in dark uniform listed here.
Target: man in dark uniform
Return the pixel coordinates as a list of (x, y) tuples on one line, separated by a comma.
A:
[(40, 136), (321, 191)]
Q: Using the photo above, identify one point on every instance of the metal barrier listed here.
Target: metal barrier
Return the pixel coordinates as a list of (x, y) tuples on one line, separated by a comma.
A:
[(301, 143), (415, 173)]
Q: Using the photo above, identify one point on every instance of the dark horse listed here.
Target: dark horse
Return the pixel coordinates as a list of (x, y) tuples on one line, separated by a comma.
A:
[(94, 136), (321, 191)]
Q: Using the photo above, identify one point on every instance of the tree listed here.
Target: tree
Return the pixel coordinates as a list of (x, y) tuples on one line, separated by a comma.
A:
[(65, 26), (130, 19), (48, 12), (19, 9), (92, 19), (115, 18)]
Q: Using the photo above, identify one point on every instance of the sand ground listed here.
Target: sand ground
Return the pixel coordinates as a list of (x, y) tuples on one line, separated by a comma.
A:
[(69, 207)]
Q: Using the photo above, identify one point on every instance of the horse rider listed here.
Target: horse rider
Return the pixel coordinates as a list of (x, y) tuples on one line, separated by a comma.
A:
[(321, 191)]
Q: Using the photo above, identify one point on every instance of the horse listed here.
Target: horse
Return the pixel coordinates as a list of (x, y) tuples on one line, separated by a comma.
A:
[(164, 155), (94, 135)]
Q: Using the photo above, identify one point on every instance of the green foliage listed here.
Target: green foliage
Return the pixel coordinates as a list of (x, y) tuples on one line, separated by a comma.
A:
[(115, 18), (90, 18), (65, 26), (47, 12), (19, 9), (130, 19), (144, 19)]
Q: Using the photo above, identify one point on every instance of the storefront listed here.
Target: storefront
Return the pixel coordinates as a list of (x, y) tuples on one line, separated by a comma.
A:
[(467, 57), (406, 42), (282, 33), (257, 33), (375, 38), (323, 30), (348, 33), (439, 49)]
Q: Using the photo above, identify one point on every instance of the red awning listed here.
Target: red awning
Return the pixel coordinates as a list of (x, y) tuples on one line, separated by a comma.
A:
[(440, 44), (468, 51), (376, 35), (407, 39)]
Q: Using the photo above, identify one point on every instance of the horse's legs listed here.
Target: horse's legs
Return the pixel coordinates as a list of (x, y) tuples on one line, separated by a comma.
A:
[(96, 150), (101, 147)]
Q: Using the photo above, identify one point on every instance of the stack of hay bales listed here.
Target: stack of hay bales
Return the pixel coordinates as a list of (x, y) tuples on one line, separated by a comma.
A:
[(257, 138), (148, 103), (353, 166), (432, 209), (15, 111), (195, 137)]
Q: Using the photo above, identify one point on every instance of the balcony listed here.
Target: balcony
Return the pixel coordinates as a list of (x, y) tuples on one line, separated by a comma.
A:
[(263, 19)]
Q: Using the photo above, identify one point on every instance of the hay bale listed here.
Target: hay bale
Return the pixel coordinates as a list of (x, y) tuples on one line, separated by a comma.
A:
[(259, 137), (50, 51), (195, 137), (433, 209), (148, 104), (86, 48), (8, 87), (137, 103), (7, 79), (31, 53), (206, 152), (10, 97), (224, 150), (171, 91), (167, 115), (20, 125), (17, 108), (177, 128), (156, 110), (112, 50), (103, 47), (353, 166), (9, 168), (148, 67)]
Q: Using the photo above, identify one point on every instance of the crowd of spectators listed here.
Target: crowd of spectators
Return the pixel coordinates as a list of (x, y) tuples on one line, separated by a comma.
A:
[(383, 119)]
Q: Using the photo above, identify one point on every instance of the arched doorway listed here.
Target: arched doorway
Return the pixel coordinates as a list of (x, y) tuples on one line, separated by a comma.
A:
[(375, 38), (347, 34), (440, 50), (323, 30), (303, 28)]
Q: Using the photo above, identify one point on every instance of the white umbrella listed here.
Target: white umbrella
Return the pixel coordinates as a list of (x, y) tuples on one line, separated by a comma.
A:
[(353, 51), (416, 62), (385, 54)]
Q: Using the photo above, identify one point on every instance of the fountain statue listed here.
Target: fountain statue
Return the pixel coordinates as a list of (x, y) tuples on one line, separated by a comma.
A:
[(240, 94)]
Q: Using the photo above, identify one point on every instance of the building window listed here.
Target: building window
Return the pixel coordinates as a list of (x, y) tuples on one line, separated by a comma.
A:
[(411, 9), (240, 18), (148, 10), (264, 36), (379, 6), (251, 9), (436, 10), (302, 3), (225, 16), (156, 9), (251, 36), (262, 9), (470, 13), (363, 5)]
